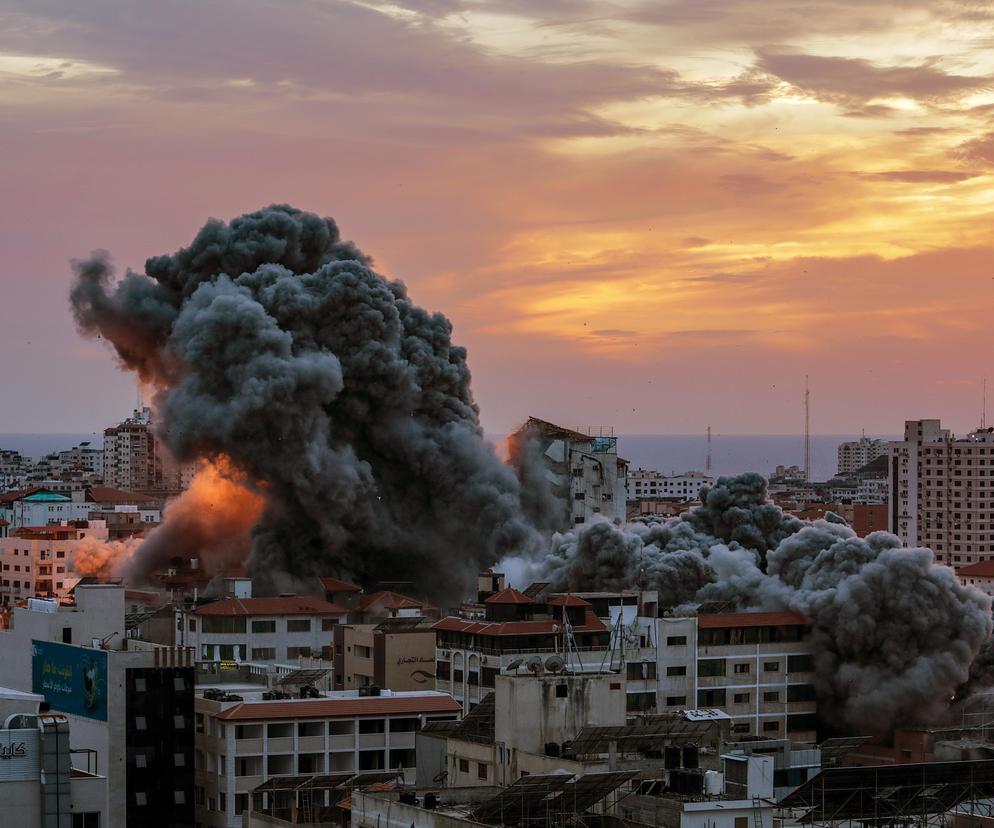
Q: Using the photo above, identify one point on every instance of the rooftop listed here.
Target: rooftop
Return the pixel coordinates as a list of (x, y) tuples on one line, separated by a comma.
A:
[(103, 494), (335, 585), (289, 605), (591, 623), (750, 619), (343, 707), (391, 600), (568, 601), (982, 569), (508, 596)]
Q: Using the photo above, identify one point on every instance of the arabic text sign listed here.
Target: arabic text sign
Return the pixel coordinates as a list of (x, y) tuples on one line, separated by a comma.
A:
[(72, 679)]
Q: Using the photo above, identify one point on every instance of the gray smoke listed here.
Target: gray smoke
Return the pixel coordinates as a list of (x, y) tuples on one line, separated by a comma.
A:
[(895, 634), (275, 344)]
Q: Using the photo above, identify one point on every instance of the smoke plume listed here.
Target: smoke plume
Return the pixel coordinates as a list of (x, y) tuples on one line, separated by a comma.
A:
[(273, 342), (894, 634)]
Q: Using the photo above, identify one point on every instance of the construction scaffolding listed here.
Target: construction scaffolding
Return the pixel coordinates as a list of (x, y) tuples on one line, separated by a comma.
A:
[(919, 795)]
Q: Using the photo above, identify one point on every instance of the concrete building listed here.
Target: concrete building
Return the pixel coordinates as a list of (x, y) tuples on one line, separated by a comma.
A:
[(471, 653), (397, 654), (14, 469), (40, 506), (129, 704), (756, 666), (38, 561), (244, 739), (652, 485), (135, 459), (39, 787), (583, 472), (942, 492), (261, 630), (853, 455), (979, 575)]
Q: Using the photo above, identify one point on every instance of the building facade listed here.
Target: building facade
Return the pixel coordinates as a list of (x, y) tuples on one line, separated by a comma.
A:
[(243, 742), (649, 485), (135, 458), (855, 454), (755, 666), (942, 492)]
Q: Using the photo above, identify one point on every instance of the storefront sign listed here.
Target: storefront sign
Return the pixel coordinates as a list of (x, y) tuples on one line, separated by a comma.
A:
[(18, 755)]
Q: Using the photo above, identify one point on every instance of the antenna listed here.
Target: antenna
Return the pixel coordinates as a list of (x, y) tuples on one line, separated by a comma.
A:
[(983, 412), (807, 431), (707, 462)]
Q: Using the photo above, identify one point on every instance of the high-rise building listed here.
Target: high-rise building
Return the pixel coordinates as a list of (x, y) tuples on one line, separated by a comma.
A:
[(942, 492), (583, 472), (136, 460), (855, 454)]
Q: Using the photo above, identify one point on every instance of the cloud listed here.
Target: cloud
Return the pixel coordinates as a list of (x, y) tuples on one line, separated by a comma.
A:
[(921, 176), (979, 149), (614, 333), (855, 83)]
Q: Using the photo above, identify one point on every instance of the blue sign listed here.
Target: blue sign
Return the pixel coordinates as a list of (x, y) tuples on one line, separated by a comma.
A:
[(72, 679)]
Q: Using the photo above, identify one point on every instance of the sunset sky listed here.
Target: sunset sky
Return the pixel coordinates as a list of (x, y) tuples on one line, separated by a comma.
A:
[(651, 215)]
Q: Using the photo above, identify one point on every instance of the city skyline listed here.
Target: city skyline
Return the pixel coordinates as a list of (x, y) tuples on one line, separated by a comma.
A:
[(651, 220)]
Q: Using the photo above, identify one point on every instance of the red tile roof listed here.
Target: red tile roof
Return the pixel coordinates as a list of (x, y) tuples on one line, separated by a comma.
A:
[(982, 569), (103, 494), (569, 601), (508, 596), (391, 600), (334, 585), (750, 619), (489, 629), (341, 708), (296, 605), (17, 494)]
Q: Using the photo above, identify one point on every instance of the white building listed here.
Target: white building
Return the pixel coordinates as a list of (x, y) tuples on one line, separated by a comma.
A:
[(645, 485), (246, 740), (755, 666), (942, 492), (264, 630), (583, 471), (41, 506), (135, 459), (979, 575), (855, 454), (38, 561), (129, 704)]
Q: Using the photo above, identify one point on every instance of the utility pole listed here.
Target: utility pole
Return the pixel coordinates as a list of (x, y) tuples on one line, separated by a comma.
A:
[(807, 431)]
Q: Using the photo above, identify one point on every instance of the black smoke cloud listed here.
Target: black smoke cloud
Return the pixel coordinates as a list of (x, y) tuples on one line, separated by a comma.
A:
[(274, 344), (894, 634)]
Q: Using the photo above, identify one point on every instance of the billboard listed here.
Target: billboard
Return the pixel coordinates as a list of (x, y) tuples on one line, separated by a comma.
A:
[(72, 679)]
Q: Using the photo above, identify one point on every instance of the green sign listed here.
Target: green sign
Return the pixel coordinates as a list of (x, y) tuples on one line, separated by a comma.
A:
[(72, 679)]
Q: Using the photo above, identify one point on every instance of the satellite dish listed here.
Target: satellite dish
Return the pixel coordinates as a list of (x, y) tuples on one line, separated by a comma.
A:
[(554, 664), (535, 665), (514, 665)]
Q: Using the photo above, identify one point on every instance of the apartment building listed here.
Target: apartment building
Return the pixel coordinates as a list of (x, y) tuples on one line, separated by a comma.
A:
[(36, 561), (129, 704), (471, 653), (648, 485), (244, 741), (942, 492), (135, 458), (979, 575), (263, 630), (755, 666), (855, 454), (41, 506), (397, 653), (584, 473)]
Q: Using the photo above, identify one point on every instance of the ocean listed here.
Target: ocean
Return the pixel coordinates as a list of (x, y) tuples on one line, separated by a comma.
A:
[(668, 453)]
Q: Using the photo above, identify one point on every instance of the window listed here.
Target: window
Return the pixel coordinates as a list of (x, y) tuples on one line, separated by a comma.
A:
[(464, 765), (140, 723), (676, 670), (139, 685), (741, 668), (372, 725), (87, 820), (267, 625), (800, 692), (263, 653), (223, 624), (140, 798), (740, 698), (676, 640), (481, 770), (800, 664), (193, 625), (741, 822), (363, 652), (771, 696), (771, 666), (711, 667), (676, 701), (710, 698), (140, 760), (179, 760), (179, 797), (298, 652), (740, 727), (298, 625)]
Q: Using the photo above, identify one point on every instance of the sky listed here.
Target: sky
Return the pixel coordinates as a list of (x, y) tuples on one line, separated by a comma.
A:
[(648, 215)]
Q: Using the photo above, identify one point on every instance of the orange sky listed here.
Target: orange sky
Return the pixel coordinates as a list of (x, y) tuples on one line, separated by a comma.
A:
[(654, 215)]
